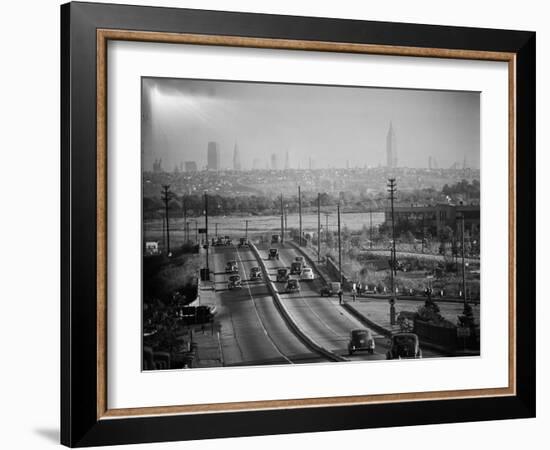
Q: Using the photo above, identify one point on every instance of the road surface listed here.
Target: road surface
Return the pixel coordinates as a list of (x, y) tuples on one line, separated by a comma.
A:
[(322, 318), (252, 331)]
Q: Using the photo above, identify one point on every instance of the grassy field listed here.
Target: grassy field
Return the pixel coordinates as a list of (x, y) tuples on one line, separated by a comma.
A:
[(235, 226)]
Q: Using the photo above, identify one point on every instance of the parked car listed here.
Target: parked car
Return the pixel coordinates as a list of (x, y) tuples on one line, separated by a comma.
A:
[(255, 273), (234, 282), (292, 285), (307, 274), (283, 274), (243, 242), (404, 345), (296, 268), (359, 340), (231, 267), (273, 253), (331, 289)]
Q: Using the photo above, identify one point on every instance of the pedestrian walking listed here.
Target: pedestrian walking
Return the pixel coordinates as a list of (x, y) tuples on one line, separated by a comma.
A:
[(341, 296)]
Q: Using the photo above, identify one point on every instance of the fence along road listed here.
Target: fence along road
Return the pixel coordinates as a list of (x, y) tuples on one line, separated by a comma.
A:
[(252, 329)]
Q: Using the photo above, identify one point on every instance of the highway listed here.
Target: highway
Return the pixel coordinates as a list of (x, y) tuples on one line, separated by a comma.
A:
[(321, 318), (252, 330)]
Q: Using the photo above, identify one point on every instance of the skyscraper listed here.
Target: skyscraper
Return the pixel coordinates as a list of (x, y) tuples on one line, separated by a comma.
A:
[(213, 156), (391, 149), (190, 166), (287, 161), (274, 163), (236, 158)]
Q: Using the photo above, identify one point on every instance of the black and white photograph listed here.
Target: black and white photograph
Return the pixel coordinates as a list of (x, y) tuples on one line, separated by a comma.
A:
[(296, 224)]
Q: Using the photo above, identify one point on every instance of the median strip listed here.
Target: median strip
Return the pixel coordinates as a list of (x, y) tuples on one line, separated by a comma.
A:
[(310, 343)]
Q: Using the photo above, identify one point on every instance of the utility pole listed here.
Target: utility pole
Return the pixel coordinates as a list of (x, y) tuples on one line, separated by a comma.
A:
[(197, 233), (282, 222), (326, 227), (206, 232), (163, 233), (392, 190), (166, 199), (339, 248), (423, 232), (246, 230), (184, 206), (370, 227), (463, 268), (216, 230), (300, 212), (319, 227)]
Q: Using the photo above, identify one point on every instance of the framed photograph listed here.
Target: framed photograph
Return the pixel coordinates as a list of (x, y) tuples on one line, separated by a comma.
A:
[(277, 224)]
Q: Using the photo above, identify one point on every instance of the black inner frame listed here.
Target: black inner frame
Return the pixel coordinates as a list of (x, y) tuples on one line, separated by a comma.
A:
[(79, 424)]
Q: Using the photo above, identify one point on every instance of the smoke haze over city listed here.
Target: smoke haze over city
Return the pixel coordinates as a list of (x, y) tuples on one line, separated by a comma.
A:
[(318, 126)]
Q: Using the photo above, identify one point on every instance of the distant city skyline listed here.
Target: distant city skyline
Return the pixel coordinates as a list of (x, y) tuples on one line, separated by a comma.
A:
[(256, 124)]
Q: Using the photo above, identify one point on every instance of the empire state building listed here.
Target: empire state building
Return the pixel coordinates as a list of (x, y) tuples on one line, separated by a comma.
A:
[(391, 149)]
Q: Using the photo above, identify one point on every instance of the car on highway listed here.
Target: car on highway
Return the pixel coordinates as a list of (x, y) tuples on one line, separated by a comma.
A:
[(359, 340), (273, 253), (283, 274), (300, 259), (234, 282), (231, 267), (292, 285), (307, 274), (296, 268), (275, 238), (331, 289), (243, 242), (255, 273), (404, 346)]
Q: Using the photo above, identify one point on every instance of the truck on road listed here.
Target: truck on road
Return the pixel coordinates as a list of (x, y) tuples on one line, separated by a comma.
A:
[(333, 288)]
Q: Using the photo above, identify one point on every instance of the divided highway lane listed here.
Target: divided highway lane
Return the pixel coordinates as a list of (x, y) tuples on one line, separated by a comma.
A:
[(323, 319), (252, 329), (320, 318)]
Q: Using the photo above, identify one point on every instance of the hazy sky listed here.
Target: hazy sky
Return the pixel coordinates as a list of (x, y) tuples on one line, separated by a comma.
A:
[(330, 124)]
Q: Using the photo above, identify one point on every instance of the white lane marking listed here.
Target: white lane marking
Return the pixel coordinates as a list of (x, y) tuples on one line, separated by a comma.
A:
[(258, 315), (289, 297), (345, 315), (218, 300)]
